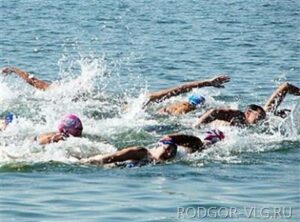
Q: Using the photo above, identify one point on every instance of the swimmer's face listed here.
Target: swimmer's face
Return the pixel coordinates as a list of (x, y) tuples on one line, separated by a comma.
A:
[(167, 152), (254, 113), (252, 116)]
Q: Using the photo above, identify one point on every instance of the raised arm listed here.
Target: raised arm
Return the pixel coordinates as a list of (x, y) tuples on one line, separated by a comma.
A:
[(191, 143), (174, 91), (130, 153), (278, 96), (228, 115), (30, 79)]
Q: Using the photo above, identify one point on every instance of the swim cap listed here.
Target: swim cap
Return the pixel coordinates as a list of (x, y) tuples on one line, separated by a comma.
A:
[(171, 144), (70, 124), (8, 118), (196, 100), (214, 136)]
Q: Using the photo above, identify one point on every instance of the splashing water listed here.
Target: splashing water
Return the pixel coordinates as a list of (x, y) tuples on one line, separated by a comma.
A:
[(109, 123)]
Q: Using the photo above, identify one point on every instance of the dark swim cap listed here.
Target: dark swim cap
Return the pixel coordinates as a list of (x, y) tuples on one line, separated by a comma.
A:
[(8, 118)]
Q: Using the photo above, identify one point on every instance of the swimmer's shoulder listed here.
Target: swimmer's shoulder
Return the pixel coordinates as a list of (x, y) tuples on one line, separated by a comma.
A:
[(219, 123), (239, 119), (179, 108)]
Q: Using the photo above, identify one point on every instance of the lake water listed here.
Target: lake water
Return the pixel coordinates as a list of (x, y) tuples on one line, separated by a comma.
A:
[(100, 54)]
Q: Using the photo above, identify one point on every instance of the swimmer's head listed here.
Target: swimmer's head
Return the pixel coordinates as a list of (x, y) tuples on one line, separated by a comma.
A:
[(70, 124), (8, 118), (213, 136), (196, 100), (254, 113), (168, 149)]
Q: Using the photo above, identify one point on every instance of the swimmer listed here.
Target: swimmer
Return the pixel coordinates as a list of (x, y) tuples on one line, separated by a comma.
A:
[(253, 113), (166, 149), (8, 118), (179, 108), (153, 97), (69, 125), (192, 103)]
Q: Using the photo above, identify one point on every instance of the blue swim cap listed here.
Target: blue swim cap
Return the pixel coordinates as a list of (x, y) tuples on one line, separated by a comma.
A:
[(8, 118), (196, 100)]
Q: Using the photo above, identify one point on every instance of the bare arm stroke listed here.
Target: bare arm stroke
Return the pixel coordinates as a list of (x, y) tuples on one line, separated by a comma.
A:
[(187, 87), (189, 142), (227, 115), (130, 153), (37, 83), (278, 96)]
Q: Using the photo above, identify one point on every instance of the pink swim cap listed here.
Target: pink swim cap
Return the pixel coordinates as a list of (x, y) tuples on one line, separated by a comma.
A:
[(214, 136), (70, 124)]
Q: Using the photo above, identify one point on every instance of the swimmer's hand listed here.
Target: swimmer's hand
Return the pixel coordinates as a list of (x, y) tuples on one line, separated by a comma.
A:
[(292, 89), (7, 70), (283, 113), (219, 81)]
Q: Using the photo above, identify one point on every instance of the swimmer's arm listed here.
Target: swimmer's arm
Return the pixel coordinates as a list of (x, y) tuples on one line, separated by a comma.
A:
[(130, 153), (37, 83), (278, 96), (50, 138), (190, 143), (219, 114), (2, 125), (174, 91)]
